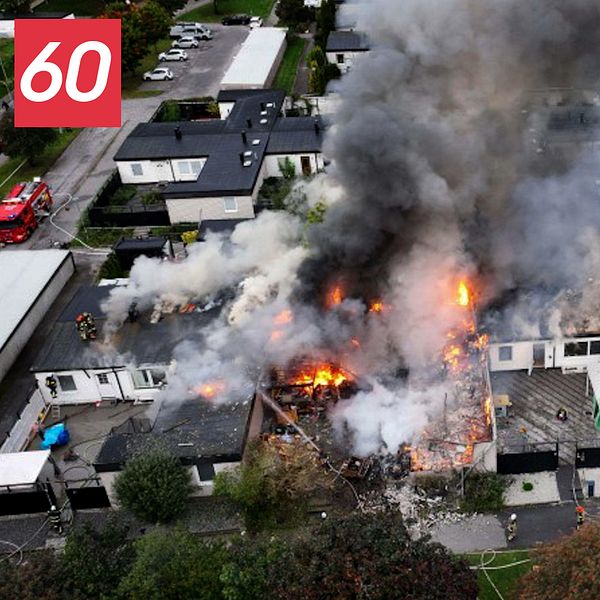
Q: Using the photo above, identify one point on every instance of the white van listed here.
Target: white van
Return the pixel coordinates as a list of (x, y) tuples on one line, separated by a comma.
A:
[(199, 31)]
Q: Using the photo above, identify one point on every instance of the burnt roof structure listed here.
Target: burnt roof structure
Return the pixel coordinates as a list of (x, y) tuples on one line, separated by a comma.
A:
[(254, 128)]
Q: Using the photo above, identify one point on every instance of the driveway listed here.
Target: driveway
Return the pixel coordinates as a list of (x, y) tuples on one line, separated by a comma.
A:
[(87, 162)]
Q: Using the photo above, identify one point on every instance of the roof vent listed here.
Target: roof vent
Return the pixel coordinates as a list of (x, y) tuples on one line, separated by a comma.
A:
[(264, 121), (178, 133), (255, 142), (248, 153), (247, 163), (249, 123), (317, 126), (244, 159), (270, 105), (263, 112), (244, 137), (263, 107)]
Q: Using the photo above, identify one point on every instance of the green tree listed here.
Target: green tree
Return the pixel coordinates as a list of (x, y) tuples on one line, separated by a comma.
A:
[(317, 63), (15, 6), (325, 22), (371, 556), (565, 570), (134, 41), (484, 492), (317, 213), (174, 565), (28, 142), (293, 13), (95, 560), (287, 168), (154, 486), (156, 22), (40, 577), (171, 6)]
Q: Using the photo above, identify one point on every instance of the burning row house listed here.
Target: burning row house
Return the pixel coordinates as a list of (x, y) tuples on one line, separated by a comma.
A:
[(300, 396)]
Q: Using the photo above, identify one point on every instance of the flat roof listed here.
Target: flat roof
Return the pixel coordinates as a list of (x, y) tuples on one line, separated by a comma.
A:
[(253, 63), (25, 274), (22, 468)]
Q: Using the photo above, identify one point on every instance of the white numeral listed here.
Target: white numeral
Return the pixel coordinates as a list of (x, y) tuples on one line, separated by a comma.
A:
[(40, 65)]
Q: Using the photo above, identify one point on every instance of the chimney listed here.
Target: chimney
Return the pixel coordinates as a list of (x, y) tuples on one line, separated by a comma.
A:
[(244, 137), (263, 107), (249, 123), (317, 126), (178, 133), (242, 159)]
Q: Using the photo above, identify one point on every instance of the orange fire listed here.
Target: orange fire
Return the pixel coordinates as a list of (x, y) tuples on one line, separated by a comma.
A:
[(284, 317), (463, 297), (276, 335), (335, 296), (376, 306), (211, 389), (321, 374), (355, 342)]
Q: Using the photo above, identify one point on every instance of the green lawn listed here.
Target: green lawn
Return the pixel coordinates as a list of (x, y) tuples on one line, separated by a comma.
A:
[(504, 579), (286, 75), (131, 81), (257, 8), (43, 163), (101, 237), (81, 8)]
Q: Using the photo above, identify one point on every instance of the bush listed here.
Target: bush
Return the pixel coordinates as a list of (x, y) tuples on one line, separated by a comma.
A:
[(152, 198), (122, 195), (287, 168), (484, 492), (154, 486), (527, 486), (111, 268)]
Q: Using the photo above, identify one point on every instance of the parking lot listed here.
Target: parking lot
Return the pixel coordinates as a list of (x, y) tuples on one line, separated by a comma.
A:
[(201, 74)]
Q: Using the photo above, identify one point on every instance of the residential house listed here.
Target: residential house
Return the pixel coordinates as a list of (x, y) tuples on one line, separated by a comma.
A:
[(213, 170), (344, 48)]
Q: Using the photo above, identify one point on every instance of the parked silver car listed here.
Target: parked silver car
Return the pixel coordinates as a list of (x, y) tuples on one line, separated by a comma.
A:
[(187, 41), (158, 74), (173, 54)]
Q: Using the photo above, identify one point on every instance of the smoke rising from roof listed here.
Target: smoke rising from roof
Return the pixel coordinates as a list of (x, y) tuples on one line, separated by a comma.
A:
[(432, 150)]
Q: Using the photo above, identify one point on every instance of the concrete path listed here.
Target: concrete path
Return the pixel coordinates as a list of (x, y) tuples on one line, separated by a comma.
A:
[(301, 83)]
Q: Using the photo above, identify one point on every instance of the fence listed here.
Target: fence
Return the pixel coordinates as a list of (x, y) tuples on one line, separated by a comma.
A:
[(534, 461), (91, 494), (101, 214), (23, 430)]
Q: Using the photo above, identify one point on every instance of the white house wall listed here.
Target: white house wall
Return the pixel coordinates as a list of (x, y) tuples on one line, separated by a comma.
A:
[(271, 163), (154, 171), (225, 108), (349, 59), (193, 210), (36, 313), (90, 390), (522, 355)]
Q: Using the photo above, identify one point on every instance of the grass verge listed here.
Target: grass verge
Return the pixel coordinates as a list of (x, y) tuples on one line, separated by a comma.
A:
[(81, 8), (257, 8), (7, 54), (101, 237), (43, 163), (286, 74), (504, 579), (130, 82)]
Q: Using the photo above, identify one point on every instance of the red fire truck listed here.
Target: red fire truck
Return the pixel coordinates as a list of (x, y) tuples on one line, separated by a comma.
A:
[(22, 209)]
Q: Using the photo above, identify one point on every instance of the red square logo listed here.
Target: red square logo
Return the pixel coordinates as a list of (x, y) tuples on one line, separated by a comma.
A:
[(67, 73)]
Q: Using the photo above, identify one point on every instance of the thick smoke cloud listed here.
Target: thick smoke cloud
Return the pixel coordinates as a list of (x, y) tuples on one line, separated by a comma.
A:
[(438, 172)]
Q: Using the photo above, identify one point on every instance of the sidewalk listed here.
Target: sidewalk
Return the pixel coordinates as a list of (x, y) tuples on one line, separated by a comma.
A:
[(536, 524)]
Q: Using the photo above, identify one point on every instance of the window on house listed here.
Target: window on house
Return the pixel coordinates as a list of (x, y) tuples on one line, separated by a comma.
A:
[(67, 383), (137, 169), (576, 348), (595, 347), (190, 167), (339, 59), (149, 378), (184, 167), (505, 353), (102, 378), (230, 205)]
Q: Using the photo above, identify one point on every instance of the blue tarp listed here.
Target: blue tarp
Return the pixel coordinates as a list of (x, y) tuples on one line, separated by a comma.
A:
[(57, 435)]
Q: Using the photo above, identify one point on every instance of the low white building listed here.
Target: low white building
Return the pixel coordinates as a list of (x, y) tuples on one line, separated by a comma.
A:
[(255, 65), (213, 170), (31, 281), (344, 48)]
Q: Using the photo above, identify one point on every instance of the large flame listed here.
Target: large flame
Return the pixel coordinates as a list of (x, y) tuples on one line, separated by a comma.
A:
[(463, 296), (335, 296), (321, 374)]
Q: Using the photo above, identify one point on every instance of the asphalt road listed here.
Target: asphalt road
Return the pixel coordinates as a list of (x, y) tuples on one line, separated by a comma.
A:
[(84, 166)]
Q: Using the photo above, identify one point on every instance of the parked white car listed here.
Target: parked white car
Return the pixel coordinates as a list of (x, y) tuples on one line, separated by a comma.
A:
[(186, 41), (173, 54), (158, 74), (255, 22)]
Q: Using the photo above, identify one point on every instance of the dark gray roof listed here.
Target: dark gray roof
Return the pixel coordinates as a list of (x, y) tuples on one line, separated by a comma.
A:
[(194, 430), (221, 142), (141, 342), (35, 15), (339, 41), (296, 134), (141, 244)]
